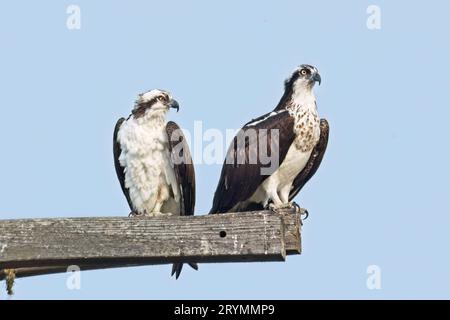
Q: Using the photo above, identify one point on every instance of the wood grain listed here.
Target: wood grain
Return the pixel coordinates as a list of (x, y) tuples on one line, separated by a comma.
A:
[(44, 246)]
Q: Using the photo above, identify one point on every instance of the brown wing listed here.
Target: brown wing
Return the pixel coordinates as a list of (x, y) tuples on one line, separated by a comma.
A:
[(314, 160), (238, 182), (185, 175), (119, 169), (183, 167)]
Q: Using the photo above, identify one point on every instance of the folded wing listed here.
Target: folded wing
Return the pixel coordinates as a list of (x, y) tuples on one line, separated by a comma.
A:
[(240, 179)]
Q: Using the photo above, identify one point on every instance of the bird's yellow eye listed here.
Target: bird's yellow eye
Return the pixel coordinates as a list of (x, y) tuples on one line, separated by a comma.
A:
[(161, 98), (303, 72)]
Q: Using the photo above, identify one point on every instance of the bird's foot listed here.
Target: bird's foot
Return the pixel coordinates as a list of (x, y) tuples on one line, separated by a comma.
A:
[(133, 214), (156, 214), (304, 214), (151, 214), (272, 207), (289, 206), (279, 208)]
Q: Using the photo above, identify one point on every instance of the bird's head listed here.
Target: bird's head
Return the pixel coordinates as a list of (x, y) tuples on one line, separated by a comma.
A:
[(154, 101), (303, 78)]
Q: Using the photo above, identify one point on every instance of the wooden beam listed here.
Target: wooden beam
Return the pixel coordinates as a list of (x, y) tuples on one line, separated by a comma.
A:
[(43, 246)]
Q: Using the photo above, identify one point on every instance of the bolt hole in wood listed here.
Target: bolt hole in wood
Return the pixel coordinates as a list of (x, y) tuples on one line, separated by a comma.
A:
[(222, 234)]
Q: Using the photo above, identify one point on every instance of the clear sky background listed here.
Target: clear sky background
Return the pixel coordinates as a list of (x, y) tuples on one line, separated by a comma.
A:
[(381, 196)]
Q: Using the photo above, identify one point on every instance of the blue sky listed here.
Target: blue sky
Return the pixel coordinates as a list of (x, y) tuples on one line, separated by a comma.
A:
[(381, 196)]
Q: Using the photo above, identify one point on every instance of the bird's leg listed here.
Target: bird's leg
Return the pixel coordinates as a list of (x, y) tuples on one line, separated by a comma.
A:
[(284, 194), (157, 209), (274, 203), (153, 213), (281, 200)]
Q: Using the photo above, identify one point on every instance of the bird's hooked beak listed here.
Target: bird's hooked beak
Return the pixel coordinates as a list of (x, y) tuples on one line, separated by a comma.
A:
[(174, 104), (316, 78)]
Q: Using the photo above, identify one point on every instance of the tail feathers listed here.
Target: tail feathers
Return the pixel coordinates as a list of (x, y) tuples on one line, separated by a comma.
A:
[(177, 267), (193, 265)]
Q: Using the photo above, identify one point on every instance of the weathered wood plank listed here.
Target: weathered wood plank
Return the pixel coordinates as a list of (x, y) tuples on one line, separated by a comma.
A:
[(90, 241), (46, 246), (292, 238)]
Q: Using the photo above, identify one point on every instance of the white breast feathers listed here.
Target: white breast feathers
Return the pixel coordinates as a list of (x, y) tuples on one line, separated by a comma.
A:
[(149, 174)]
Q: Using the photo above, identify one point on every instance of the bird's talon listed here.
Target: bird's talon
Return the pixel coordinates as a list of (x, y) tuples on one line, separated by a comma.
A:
[(272, 208), (304, 212), (296, 207), (300, 210)]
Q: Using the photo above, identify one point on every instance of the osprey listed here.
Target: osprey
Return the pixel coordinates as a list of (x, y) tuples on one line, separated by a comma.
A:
[(293, 133), (155, 172)]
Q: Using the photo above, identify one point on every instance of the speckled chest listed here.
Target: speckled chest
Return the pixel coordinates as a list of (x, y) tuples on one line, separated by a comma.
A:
[(306, 125)]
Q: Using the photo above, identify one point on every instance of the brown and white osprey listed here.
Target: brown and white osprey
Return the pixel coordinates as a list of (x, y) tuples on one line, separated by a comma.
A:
[(293, 132), (155, 172)]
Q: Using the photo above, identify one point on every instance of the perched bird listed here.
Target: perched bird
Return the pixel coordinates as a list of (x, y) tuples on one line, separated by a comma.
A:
[(153, 161), (293, 133)]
